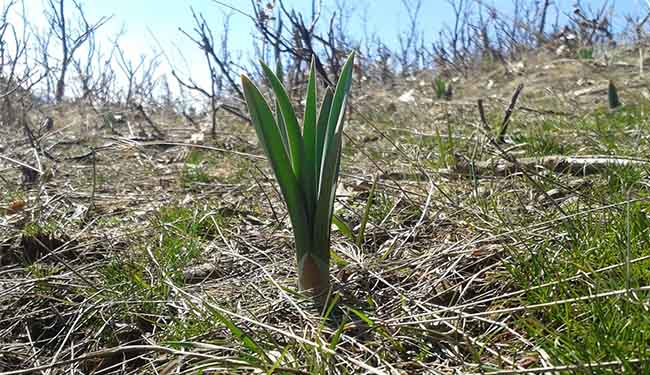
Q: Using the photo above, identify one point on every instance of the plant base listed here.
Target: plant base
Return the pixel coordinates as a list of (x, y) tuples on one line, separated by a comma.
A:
[(313, 280)]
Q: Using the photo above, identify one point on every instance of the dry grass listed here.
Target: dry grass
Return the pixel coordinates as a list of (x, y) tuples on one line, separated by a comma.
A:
[(165, 257)]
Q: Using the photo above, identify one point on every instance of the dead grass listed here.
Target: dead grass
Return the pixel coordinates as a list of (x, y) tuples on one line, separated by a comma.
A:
[(165, 257)]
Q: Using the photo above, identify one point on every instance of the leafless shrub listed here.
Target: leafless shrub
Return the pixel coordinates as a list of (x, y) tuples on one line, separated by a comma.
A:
[(517, 33), (71, 35), (453, 45), (95, 73), (43, 58), (17, 74), (481, 34), (409, 54), (140, 76), (636, 26), (592, 25), (304, 41), (635, 29), (219, 67), (383, 57)]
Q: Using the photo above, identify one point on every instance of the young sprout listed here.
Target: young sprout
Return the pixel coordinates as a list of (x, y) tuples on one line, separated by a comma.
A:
[(612, 96), (306, 166)]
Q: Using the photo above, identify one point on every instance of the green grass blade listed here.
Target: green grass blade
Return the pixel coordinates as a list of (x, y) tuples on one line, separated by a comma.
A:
[(309, 136), (366, 213), (294, 137), (269, 136), (245, 339), (343, 227), (365, 318), (278, 361), (337, 335)]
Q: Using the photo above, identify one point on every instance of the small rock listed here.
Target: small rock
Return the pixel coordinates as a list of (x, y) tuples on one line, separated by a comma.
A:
[(407, 97), (197, 138), (518, 67)]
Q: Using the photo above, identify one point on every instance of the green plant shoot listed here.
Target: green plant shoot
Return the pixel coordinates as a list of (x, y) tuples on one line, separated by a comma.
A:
[(306, 166), (612, 96), (440, 87)]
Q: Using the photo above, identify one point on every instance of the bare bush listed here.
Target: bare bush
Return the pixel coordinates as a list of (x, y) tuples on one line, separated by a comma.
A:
[(304, 42), (481, 34), (409, 55), (71, 35), (17, 73), (592, 25), (139, 76), (219, 67), (95, 73)]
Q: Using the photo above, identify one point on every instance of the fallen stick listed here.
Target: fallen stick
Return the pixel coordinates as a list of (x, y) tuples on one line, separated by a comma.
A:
[(575, 165)]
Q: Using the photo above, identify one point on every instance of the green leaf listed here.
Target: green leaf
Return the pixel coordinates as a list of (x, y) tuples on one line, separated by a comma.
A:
[(333, 133), (296, 153), (282, 128), (321, 128), (338, 260), (343, 227), (331, 157), (309, 136), (326, 195), (269, 136), (278, 115)]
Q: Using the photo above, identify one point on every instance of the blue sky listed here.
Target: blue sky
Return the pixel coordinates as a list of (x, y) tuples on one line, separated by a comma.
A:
[(144, 18), (384, 17)]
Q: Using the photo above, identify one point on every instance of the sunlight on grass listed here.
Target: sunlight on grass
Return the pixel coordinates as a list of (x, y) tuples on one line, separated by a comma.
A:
[(591, 260)]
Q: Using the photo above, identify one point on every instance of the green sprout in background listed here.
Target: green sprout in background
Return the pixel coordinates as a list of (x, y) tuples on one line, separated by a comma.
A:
[(585, 53), (306, 166), (440, 87), (612, 96)]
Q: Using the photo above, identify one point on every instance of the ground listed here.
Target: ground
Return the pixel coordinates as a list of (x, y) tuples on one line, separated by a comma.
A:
[(469, 256)]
